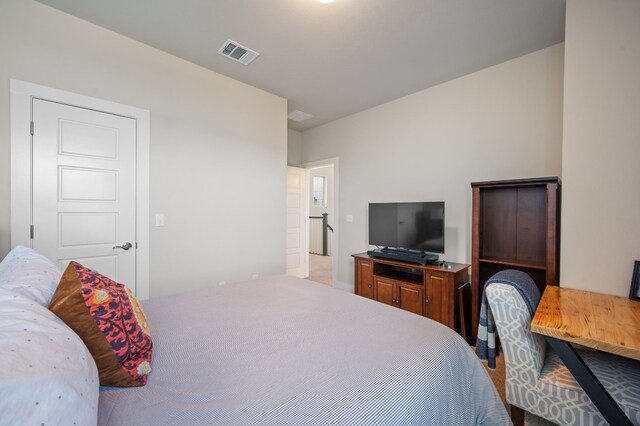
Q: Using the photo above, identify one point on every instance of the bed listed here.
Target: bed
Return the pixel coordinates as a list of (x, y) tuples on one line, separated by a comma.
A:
[(283, 350), (273, 351)]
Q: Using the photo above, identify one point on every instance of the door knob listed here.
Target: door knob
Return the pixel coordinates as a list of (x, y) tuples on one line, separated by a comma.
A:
[(125, 246)]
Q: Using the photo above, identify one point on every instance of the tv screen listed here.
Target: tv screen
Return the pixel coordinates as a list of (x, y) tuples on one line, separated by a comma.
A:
[(413, 226)]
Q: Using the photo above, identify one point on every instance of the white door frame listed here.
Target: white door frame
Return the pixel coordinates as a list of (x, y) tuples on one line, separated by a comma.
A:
[(336, 214), (21, 95)]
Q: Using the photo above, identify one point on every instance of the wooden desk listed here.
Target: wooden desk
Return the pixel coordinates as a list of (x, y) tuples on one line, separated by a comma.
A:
[(599, 321)]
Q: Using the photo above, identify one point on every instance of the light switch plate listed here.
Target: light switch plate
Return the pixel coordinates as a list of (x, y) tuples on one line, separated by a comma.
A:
[(159, 219), (349, 218)]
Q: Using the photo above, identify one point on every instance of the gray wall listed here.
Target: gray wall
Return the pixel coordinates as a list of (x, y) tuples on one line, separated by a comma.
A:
[(294, 147), (601, 146), (218, 147), (502, 122)]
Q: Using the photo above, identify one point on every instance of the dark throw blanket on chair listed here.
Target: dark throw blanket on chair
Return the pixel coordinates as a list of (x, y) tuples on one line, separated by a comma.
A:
[(486, 343)]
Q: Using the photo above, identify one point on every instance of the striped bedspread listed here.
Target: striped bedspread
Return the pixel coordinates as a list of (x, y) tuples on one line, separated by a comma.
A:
[(285, 351)]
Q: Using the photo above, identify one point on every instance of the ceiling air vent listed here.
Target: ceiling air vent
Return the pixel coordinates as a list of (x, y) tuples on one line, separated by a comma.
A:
[(237, 52), (299, 115)]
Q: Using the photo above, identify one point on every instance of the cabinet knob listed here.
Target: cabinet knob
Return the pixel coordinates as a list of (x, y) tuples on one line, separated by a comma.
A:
[(426, 300), (369, 285)]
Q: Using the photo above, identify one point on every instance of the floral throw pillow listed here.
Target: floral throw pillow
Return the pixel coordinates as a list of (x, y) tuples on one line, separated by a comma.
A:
[(109, 320)]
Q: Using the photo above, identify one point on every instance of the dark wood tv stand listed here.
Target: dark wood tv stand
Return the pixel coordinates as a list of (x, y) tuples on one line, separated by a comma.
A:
[(427, 290)]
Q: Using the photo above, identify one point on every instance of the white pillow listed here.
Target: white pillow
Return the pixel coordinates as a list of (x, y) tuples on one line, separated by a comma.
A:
[(47, 375), (30, 274)]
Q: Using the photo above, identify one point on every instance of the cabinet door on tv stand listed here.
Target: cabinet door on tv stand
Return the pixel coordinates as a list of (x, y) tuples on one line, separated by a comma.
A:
[(364, 278), (411, 299), (384, 291), (436, 298)]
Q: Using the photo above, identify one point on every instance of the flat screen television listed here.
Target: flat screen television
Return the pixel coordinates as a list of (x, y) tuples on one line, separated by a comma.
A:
[(411, 226)]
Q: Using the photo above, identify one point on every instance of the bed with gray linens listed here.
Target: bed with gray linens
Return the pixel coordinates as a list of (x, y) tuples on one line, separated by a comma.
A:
[(286, 351)]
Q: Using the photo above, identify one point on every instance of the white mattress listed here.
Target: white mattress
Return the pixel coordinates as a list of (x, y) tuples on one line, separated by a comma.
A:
[(285, 351)]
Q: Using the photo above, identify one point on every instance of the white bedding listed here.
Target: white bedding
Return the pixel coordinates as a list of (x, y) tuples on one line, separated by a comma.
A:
[(281, 350), (47, 375)]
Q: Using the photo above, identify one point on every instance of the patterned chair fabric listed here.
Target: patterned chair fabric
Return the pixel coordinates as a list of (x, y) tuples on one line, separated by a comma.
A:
[(537, 381)]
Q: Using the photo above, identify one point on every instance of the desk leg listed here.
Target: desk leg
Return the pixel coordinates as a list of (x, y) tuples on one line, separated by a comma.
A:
[(608, 407)]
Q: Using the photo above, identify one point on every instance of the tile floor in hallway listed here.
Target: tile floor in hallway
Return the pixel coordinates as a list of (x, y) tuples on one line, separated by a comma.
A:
[(321, 269)]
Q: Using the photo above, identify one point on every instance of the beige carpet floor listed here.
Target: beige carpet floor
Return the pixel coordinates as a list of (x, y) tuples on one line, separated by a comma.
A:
[(321, 269)]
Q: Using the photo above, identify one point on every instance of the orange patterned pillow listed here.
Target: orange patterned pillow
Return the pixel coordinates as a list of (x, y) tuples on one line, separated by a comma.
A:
[(109, 320)]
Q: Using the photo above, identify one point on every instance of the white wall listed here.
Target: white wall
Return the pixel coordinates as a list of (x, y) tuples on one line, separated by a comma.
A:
[(601, 146), (218, 147), (499, 123), (294, 147)]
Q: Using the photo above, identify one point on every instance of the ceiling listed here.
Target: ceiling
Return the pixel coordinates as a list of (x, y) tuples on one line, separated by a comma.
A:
[(332, 60)]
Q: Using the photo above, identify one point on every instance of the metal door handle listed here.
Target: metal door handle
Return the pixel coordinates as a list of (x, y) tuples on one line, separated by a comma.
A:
[(125, 246)]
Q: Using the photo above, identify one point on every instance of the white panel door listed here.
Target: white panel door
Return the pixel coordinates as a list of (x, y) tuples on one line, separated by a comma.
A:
[(296, 222), (84, 189)]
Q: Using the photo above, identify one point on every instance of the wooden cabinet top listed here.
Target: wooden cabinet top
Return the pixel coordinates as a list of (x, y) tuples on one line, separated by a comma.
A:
[(517, 182), (455, 267)]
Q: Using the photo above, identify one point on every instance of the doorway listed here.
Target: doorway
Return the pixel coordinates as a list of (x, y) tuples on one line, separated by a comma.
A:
[(297, 263), (80, 182), (84, 195), (321, 185)]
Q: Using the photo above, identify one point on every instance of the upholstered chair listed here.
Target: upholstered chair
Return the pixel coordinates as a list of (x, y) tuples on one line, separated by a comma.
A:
[(536, 379)]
